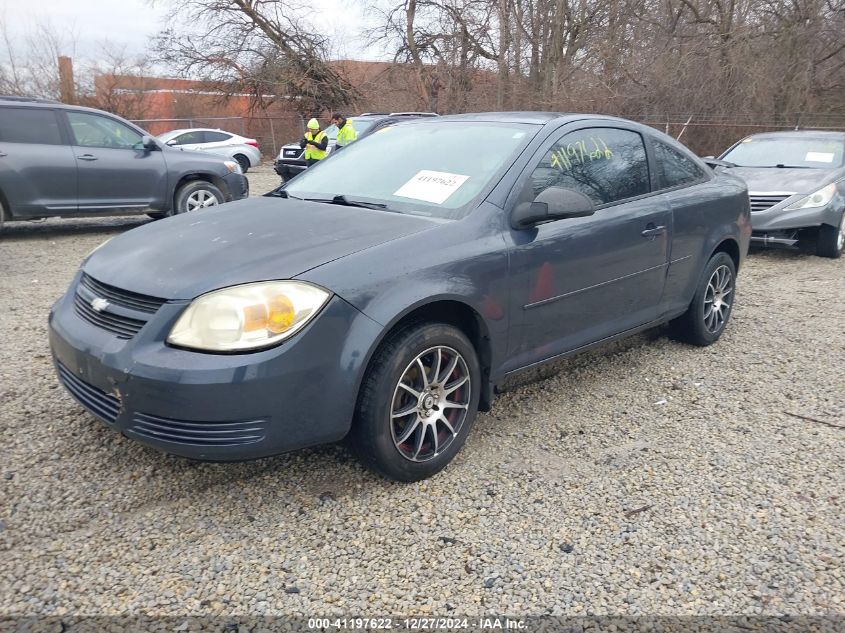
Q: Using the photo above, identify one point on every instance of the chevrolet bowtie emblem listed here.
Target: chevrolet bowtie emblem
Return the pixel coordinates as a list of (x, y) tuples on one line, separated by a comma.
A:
[(99, 304)]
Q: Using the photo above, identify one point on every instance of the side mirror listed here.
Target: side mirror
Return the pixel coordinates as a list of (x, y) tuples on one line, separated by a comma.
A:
[(148, 143), (707, 157), (553, 203), (171, 142)]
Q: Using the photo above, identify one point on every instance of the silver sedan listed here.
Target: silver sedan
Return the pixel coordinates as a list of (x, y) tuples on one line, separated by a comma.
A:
[(240, 148)]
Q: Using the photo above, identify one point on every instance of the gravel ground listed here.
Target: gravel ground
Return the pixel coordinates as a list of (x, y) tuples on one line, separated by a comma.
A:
[(651, 478)]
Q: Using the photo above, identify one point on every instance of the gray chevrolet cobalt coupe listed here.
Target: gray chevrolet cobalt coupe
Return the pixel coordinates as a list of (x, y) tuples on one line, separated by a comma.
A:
[(384, 293)]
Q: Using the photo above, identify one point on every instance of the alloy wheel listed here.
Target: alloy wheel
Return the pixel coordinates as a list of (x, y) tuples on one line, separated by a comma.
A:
[(430, 403), (201, 199), (718, 299)]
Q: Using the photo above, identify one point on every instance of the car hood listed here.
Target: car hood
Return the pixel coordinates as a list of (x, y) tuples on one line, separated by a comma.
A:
[(769, 179), (251, 240)]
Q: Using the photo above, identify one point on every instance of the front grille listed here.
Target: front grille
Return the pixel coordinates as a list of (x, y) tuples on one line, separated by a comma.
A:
[(121, 326), (198, 433), (103, 405), (763, 201), (123, 298)]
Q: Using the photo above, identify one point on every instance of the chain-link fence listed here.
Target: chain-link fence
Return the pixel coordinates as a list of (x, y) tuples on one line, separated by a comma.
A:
[(704, 134), (270, 132), (712, 134)]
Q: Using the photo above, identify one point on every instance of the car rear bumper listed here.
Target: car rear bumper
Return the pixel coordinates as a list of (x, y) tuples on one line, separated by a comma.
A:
[(219, 407)]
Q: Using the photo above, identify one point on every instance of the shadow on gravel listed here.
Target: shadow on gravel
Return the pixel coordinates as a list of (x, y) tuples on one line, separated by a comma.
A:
[(63, 228)]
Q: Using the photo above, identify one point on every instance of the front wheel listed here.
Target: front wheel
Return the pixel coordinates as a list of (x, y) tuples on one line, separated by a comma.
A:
[(196, 195), (708, 314), (418, 402), (831, 240)]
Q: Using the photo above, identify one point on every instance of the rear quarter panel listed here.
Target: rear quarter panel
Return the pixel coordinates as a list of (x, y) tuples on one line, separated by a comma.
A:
[(704, 216)]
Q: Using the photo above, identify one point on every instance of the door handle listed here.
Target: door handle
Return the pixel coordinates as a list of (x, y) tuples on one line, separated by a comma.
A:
[(87, 157), (652, 231), (3, 154)]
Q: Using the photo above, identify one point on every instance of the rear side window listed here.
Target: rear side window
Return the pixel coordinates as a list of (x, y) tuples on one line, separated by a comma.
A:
[(29, 125), (216, 137), (606, 164), (675, 168)]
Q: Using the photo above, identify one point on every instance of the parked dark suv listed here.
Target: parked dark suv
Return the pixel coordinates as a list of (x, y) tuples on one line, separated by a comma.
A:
[(63, 160)]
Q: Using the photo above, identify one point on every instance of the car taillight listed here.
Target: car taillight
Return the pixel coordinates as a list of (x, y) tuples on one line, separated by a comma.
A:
[(253, 143)]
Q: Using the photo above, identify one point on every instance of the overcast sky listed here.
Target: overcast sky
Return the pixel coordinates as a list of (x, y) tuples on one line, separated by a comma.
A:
[(133, 22)]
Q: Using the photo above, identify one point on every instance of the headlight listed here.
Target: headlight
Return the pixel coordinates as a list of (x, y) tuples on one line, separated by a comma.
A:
[(819, 199), (247, 317), (233, 166)]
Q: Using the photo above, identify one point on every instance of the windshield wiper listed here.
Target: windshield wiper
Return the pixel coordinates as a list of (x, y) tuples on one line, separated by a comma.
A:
[(346, 202), (782, 166), (715, 162), (280, 193)]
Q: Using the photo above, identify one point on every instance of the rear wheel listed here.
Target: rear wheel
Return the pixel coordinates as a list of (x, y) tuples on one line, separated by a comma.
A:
[(196, 195), (243, 161), (418, 402), (708, 314), (831, 240)]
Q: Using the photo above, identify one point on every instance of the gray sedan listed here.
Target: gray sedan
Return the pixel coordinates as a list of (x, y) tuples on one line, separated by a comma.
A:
[(796, 181), (384, 294)]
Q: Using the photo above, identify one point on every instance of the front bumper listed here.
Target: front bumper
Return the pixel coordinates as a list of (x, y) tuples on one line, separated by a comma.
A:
[(221, 407), (287, 169), (238, 185), (779, 219)]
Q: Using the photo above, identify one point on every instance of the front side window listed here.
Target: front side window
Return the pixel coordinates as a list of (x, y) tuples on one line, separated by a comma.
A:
[(431, 168), (93, 130), (29, 125), (675, 168), (606, 164), (190, 138)]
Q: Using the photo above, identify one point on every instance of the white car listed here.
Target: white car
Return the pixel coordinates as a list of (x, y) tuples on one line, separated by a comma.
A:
[(242, 149)]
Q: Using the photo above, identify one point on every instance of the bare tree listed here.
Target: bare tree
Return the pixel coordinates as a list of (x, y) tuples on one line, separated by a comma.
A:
[(262, 47)]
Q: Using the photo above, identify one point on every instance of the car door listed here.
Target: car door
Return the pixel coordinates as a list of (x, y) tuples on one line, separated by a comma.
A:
[(579, 280), (37, 166), (190, 141), (217, 142), (114, 171)]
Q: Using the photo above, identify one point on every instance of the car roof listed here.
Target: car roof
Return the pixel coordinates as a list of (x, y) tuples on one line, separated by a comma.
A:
[(800, 134), (198, 129)]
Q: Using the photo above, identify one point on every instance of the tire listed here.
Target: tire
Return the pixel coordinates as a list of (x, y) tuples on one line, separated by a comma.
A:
[(197, 192), (157, 216), (2, 217), (831, 240), (243, 161), (417, 443), (702, 325)]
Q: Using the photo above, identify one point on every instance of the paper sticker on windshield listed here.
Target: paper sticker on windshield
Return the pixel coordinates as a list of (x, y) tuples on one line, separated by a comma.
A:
[(431, 186), (819, 157)]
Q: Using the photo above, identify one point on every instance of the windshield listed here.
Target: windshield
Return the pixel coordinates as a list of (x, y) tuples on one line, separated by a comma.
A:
[(817, 152), (428, 168)]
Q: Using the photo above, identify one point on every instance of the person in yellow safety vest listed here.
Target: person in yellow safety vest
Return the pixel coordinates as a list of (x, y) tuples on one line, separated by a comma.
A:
[(345, 132), (314, 143)]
